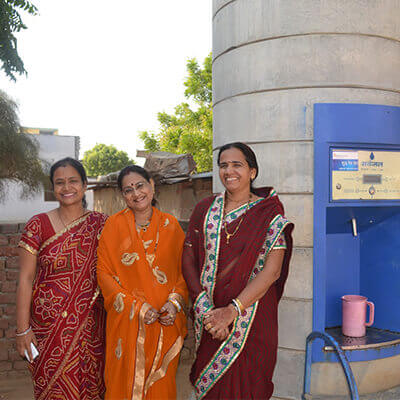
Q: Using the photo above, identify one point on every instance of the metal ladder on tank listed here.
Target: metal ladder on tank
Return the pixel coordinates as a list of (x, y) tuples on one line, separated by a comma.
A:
[(328, 339)]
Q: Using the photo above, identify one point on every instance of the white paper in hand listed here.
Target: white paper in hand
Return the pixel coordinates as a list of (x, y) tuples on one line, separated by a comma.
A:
[(34, 351)]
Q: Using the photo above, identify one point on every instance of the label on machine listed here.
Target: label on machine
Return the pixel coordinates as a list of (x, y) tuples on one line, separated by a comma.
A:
[(365, 174)]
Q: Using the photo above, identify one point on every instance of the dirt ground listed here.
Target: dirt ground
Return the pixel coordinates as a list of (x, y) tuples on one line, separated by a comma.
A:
[(21, 388)]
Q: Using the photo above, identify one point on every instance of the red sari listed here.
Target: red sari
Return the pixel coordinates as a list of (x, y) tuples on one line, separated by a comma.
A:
[(240, 367), (67, 313)]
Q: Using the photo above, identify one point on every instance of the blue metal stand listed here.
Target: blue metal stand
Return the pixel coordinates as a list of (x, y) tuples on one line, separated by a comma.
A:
[(343, 360)]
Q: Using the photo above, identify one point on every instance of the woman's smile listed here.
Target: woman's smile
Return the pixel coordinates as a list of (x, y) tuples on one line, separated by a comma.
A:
[(231, 182), (140, 199), (231, 179)]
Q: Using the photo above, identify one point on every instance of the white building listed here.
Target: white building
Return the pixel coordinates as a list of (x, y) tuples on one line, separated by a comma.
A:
[(52, 147)]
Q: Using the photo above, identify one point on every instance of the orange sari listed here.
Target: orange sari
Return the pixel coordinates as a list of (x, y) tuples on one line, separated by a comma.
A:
[(137, 270)]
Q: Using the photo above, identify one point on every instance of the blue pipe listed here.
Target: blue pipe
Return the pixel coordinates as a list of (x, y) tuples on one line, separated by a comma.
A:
[(343, 360)]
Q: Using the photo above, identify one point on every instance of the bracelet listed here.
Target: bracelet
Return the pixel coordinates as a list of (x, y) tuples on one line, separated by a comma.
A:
[(176, 304), (24, 332), (236, 305), (239, 303), (177, 300)]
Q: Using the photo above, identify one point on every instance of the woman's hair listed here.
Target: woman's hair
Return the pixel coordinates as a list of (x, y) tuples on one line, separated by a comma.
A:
[(136, 170), (248, 153), (74, 164)]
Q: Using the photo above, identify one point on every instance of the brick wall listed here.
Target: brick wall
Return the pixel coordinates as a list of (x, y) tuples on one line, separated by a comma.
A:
[(11, 363)]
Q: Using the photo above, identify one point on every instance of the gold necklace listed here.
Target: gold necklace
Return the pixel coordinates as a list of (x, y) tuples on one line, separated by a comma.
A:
[(229, 235), (62, 221)]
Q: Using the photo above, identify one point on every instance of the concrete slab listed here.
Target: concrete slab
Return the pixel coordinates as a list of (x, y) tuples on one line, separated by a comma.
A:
[(371, 376), (299, 210), (392, 394), (329, 60), (264, 116), (300, 280), (288, 375), (295, 323), (241, 22)]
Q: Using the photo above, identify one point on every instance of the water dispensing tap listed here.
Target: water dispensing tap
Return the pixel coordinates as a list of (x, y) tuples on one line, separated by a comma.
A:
[(354, 224)]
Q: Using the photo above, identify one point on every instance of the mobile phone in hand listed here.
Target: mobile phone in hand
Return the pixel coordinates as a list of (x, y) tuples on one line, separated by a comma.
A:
[(34, 352)]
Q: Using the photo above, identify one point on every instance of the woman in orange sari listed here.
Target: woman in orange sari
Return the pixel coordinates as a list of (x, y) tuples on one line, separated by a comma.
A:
[(139, 273), (59, 309)]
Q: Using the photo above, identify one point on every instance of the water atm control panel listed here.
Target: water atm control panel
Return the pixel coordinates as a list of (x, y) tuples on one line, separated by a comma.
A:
[(365, 174)]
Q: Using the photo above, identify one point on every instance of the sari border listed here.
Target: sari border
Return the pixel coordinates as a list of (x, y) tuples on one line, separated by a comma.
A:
[(27, 247), (198, 311), (212, 226), (251, 204), (169, 356), (95, 295), (234, 343), (238, 209), (155, 362), (279, 219), (51, 239), (278, 224), (140, 361)]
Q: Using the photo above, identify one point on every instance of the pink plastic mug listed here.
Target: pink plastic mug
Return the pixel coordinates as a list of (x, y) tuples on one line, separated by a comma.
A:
[(354, 310)]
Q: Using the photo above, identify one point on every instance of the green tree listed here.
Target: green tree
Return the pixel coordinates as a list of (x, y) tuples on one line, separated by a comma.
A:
[(189, 129), (103, 159), (19, 153), (11, 23)]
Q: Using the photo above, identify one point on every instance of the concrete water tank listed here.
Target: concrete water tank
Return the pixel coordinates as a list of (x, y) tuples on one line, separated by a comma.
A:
[(272, 61)]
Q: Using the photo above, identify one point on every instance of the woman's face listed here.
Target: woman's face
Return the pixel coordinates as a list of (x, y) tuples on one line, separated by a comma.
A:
[(68, 187), (234, 171), (137, 192)]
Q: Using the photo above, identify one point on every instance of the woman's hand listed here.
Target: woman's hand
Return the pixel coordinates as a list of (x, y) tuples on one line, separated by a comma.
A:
[(151, 316), (167, 314), (218, 320), (219, 334), (24, 343)]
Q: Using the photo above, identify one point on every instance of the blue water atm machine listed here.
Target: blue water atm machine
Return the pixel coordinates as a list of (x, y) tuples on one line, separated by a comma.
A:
[(357, 231)]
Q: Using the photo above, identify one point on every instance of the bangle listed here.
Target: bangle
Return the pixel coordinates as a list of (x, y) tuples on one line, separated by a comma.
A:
[(177, 300), (236, 305), (239, 303), (24, 332), (176, 304)]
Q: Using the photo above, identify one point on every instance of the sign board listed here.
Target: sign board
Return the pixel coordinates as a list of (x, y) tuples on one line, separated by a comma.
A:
[(365, 174)]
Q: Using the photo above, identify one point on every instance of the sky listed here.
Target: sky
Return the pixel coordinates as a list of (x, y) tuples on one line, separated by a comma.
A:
[(102, 70)]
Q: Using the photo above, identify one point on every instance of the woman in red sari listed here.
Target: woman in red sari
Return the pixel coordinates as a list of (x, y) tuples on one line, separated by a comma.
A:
[(235, 263), (58, 307)]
